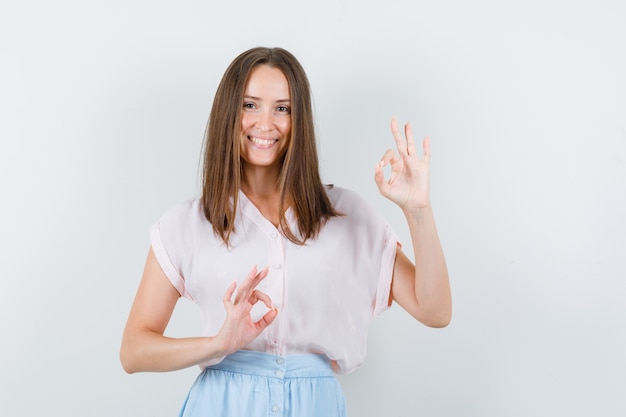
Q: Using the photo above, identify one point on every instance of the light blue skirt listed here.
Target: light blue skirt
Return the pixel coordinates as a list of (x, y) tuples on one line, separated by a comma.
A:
[(256, 384)]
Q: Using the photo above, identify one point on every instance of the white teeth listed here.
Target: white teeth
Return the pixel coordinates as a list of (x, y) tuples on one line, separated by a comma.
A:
[(262, 142)]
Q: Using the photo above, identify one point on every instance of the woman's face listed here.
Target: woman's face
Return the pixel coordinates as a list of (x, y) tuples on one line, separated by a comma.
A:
[(266, 117)]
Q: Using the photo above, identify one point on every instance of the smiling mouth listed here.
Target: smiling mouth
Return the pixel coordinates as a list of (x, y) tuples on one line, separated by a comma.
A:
[(264, 143)]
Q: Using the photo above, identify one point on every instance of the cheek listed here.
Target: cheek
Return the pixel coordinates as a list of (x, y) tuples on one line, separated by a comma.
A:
[(245, 121), (285, 126)]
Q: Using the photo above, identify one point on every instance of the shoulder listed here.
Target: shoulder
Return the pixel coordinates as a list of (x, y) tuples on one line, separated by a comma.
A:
[(350, 203), (187, 210), (180, 228), (342, 197), (186, 217)]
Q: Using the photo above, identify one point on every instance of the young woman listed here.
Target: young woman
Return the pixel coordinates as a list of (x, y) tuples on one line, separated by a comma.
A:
[(288, 272)]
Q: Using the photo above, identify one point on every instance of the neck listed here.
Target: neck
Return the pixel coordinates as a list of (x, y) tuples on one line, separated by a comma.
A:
[(260, 182), (260, 185)]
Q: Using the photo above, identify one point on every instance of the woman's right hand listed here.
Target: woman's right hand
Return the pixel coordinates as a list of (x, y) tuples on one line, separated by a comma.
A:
[(144, 346), (238, 329)]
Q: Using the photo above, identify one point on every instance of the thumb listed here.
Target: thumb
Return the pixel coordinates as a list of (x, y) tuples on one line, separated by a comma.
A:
[(379, 176), (267, 319)]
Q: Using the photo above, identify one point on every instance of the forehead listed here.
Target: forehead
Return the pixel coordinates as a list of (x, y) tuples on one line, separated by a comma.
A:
[(267, 82)]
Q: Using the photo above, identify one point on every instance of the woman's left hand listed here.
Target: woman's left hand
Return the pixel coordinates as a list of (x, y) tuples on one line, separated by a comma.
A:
[(408, 185)]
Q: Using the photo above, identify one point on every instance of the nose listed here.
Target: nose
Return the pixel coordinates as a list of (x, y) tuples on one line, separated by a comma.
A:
[(265, 120)]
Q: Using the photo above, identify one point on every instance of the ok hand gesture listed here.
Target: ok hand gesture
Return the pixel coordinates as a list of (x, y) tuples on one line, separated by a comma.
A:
[(408, 185), (238, 329)]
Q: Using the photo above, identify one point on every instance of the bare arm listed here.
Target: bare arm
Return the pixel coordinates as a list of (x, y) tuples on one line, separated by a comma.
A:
[(145, 348), (422, 289)]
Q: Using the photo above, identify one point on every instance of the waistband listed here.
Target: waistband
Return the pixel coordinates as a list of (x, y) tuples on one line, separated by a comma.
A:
[(267, 365)]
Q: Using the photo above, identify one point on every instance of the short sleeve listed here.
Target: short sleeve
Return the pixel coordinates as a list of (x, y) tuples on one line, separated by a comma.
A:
[(387, 264), (171, 238), (374, 245), (164, 259)]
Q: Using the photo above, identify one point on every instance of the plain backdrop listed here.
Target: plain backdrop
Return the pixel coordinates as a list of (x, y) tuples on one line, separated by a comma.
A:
[(103, 106)]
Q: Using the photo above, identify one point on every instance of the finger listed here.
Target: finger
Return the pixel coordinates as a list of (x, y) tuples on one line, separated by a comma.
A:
[(397, 136), (426, 148), (410, 142), (257, 296), (389, 157), (244, 288), (228, 295), (254, 278), (250, 276), (267, 319), (250, 283), (379, 175), (261, 275)]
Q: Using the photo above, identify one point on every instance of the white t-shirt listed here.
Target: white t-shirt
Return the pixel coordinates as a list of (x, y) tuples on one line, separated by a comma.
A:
[(327, 291)]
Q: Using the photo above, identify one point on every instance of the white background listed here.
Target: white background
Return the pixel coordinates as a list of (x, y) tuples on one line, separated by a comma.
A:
[(103, 105)]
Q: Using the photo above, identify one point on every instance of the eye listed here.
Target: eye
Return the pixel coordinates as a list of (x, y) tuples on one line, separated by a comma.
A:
[(248, 105), (283, 109)]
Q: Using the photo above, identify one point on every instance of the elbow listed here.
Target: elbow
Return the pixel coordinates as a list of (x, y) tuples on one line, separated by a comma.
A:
[(440, 322), (127, 359), (127, 367), (437, 319)]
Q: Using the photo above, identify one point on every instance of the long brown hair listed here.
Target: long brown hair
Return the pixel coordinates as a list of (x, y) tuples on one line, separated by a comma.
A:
[(299, 179)]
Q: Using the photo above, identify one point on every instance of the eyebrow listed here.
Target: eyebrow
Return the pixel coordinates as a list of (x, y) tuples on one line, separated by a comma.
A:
[(284, 100)]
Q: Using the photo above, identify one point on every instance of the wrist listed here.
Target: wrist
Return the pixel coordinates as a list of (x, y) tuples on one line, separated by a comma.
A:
[(416, 212), (216, 347)]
